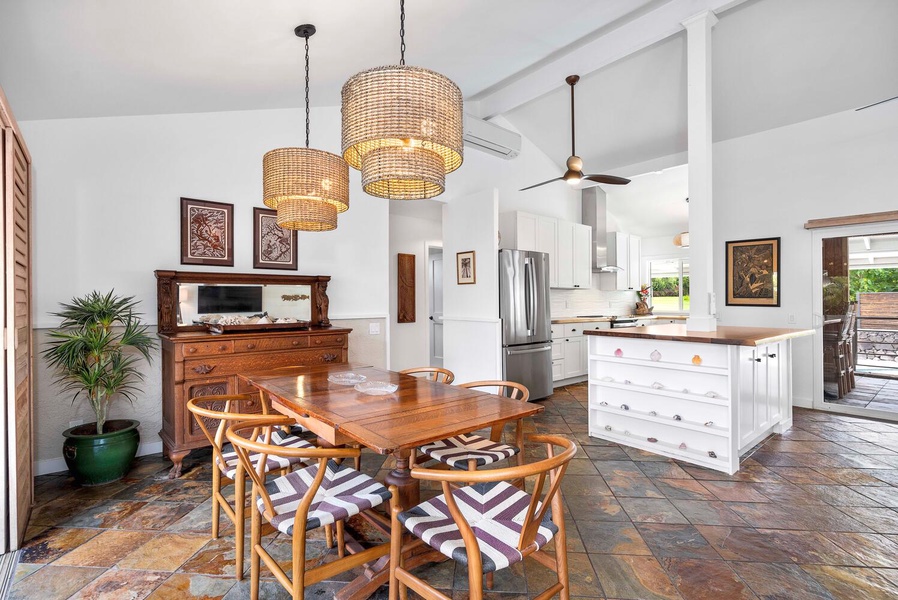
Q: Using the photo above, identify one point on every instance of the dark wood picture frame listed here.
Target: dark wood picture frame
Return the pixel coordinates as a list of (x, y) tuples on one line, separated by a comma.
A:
[(405, 293), (753, 272), (465, 268), (207, 233), (273, 246)]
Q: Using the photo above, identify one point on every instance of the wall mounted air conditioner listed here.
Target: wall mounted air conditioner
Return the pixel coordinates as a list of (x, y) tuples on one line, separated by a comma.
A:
[(490, 138)]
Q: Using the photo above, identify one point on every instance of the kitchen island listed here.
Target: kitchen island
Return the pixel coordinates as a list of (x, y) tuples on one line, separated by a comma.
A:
[(703, 397)]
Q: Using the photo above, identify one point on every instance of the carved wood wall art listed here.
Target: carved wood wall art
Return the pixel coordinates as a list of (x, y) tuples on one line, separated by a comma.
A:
[(405, 312), (273, 246)]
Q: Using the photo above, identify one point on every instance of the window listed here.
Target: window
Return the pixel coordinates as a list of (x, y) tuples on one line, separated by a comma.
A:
[(670, 284)]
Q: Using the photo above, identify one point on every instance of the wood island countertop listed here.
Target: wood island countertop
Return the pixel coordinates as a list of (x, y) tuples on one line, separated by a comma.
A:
[(566, 320), (732, 336)]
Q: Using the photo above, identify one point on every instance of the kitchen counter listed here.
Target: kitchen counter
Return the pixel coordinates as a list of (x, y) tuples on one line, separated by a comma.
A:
[(567, 320), (732, 336), (702, 397)]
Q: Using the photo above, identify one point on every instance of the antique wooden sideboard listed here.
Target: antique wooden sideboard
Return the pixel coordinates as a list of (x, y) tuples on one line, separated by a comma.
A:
[(196, 362)]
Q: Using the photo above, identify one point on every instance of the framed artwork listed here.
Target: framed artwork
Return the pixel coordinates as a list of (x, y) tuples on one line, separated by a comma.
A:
[(752, 272), (273, 246), (207, 233), (466, 267)]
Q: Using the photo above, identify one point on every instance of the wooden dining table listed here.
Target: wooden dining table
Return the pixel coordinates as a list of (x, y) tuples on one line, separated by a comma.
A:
[(418, 412)]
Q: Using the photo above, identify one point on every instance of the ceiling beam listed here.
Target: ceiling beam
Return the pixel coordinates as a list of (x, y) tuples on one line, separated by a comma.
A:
[(629, 35)]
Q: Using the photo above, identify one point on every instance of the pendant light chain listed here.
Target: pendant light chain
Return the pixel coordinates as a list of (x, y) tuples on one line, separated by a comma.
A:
[(307, 91), (401, 32)]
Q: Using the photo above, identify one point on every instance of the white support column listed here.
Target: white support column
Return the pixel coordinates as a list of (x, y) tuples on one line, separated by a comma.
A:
[(702, 306)]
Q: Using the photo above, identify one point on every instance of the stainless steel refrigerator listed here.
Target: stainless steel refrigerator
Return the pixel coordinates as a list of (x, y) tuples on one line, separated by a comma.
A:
[(526, 325)]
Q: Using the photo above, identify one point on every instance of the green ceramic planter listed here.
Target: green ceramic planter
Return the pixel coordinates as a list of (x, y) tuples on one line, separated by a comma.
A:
[(97, 459)]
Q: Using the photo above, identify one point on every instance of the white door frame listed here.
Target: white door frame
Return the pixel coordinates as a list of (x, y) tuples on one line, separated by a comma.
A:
[(817, 274), (428, 247)]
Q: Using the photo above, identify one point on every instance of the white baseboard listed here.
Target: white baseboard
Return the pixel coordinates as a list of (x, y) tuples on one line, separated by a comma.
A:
[(802, 402), (57, 465)]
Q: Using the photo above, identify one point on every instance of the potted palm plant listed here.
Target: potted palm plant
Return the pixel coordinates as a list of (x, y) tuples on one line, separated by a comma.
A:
[(95, 353)]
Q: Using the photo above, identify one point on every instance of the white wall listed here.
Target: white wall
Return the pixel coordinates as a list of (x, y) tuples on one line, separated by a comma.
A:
[(482, 171), (107, 214), (769, 184), (662, 246), (408, 341), (471, 332)]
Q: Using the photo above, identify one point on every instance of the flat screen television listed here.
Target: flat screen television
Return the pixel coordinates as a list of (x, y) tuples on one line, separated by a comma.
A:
[(229, 299)]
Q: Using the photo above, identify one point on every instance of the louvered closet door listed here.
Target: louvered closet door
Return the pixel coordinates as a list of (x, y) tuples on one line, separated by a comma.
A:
[(18, 354)]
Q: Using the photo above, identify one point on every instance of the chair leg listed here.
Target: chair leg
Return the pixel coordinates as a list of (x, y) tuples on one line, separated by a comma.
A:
[(255, 560), (395, 543), (299, 564), (239, 520), (341, 539), (216, 508), (329, 536), (561, 564)]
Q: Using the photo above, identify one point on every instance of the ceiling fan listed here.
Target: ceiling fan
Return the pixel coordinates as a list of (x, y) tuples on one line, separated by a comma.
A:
[(574, 173)]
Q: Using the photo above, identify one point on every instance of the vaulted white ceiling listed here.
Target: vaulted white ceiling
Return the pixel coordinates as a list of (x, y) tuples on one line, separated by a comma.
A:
[(129, 57)]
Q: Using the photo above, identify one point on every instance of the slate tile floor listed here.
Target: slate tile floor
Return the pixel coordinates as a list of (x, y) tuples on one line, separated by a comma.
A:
[(870, 392), (811, 514)]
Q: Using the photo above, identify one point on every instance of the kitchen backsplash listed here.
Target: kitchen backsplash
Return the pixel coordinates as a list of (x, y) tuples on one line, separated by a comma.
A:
[(574, 303)]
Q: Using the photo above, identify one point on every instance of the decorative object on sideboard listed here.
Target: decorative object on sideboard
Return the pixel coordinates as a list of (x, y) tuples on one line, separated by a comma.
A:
[(94, 353), (307, 187), (405, 293), (207, 233), (466, 267), (273, 246), (402, 128), (752, 272)]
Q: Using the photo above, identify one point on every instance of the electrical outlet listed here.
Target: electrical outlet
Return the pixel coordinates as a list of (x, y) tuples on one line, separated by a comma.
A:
[(791, 318), (373, 328)]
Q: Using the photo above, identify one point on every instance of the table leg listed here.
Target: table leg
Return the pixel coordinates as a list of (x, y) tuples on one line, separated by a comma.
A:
[(401, 477)]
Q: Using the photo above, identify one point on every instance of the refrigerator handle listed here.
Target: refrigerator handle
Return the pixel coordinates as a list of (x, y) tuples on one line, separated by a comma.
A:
[(511, 352), (528, 295)]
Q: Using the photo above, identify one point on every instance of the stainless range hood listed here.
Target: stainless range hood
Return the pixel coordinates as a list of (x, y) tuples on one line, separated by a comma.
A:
[(594, 213)]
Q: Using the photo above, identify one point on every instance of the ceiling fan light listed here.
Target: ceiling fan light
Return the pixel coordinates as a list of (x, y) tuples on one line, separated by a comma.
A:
[(396, 112)]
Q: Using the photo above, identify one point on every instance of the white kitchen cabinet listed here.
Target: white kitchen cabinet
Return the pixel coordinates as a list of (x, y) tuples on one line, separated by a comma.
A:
[(582, 256), (624, 251), (570, 348), (574, 254), (692, 400), (525, 231)]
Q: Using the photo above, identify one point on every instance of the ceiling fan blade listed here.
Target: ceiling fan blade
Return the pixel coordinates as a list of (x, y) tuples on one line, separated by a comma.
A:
[(539, 184), (609, 179)]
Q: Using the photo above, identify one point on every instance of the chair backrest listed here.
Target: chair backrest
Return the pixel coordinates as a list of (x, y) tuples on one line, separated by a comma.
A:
[(437, 374), (215, 413), (549, 470), (254, 438), (511, 389)]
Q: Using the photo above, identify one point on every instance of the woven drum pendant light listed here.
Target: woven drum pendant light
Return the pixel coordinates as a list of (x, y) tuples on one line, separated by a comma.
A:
[(307, 187), (402, 127)]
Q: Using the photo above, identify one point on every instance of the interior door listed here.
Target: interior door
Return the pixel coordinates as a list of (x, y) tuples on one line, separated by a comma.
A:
[(435, 277), (17, 328)]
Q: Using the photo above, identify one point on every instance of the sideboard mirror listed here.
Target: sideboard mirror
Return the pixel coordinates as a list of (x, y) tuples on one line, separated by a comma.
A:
[(187, 298)]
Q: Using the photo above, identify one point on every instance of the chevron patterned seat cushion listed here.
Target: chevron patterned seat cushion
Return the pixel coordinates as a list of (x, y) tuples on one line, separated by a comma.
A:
[(278, 438), (344, 492), (459, 449), (495, 511)]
